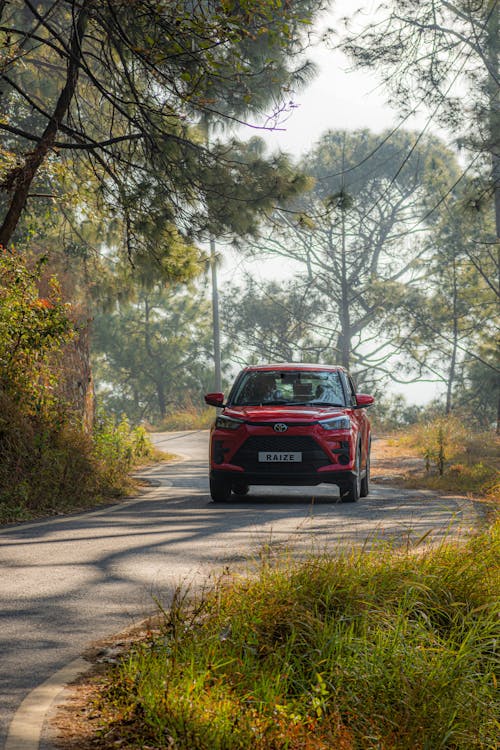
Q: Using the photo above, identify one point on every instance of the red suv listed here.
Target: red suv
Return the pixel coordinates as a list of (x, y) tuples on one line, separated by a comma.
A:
[(290, 424)]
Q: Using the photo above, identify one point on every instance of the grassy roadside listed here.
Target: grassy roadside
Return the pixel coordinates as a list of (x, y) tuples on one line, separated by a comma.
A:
[(385, 650), (54, 470), (441, 455)]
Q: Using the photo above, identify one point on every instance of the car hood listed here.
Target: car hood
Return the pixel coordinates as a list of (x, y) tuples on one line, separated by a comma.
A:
[(283, 413)]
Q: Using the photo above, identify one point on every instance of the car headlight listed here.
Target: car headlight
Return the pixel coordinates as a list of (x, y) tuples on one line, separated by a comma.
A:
[(337, 423), (228, 423)]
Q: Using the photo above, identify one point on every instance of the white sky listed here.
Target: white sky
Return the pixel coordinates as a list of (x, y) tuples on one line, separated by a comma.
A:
[(338, 98)]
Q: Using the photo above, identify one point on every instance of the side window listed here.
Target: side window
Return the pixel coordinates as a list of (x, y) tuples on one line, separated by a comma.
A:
[(353, 388), (350, 390)]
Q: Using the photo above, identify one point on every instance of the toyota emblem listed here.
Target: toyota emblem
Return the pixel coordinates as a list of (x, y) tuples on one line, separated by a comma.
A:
[(280, 427)]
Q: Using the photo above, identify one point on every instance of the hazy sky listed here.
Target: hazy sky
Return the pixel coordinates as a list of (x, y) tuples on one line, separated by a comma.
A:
[(337, 98)]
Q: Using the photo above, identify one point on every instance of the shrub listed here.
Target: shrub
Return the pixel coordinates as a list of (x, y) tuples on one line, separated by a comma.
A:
[(117, 447), (47, 462), (457, 459), (49, 466), (32, 330)]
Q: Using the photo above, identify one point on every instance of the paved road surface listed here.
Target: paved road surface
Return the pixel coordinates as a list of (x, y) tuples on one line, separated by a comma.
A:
[(68, 581)]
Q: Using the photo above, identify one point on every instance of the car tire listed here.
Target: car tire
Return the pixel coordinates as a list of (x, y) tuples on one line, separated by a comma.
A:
[(365, 481), (241, 489), (351, 492), (220, 489)]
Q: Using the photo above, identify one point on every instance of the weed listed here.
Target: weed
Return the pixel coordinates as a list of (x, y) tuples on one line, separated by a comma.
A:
[(456, 459), (377, 649), (117, 447)]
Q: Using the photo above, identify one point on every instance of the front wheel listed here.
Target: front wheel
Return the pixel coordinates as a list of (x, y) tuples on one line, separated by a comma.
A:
[(240, 489), (351, 492), (220, 489)]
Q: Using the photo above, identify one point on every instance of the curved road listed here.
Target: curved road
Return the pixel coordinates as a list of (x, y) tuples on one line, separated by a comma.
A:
[(68, 581)]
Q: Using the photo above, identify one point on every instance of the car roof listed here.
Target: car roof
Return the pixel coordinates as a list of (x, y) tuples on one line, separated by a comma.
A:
[(294, 366)]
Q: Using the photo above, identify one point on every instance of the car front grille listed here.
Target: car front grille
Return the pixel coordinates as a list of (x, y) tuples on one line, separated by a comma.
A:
[(247, 456)]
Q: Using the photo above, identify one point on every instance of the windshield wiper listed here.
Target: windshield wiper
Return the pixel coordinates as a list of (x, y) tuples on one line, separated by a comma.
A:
[(284, 402), (275, 402), (325, 403), (263, 403), (313, 403)]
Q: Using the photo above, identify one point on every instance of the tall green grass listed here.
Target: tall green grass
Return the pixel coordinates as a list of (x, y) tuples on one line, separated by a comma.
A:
[(384, 649)]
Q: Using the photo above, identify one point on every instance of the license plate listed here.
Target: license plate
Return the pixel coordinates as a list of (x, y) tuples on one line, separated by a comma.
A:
[(273, 457)]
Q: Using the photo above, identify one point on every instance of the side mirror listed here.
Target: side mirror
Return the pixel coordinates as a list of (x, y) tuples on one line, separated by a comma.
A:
[(364, 400), (214, 399)]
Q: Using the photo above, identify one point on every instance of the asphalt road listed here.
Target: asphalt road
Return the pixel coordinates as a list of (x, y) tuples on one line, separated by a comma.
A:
[(70, 580)]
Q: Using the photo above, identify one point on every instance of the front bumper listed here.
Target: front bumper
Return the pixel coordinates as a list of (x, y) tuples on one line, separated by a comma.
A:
[(302, 479), (326, 457)]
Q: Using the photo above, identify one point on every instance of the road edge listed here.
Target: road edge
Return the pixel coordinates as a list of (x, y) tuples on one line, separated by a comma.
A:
[(25, 729)]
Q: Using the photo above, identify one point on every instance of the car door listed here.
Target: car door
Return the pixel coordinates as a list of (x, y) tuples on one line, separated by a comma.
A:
[(357, 416)]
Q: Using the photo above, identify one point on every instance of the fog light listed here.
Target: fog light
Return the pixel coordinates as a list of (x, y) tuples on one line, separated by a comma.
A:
[(343, 459)]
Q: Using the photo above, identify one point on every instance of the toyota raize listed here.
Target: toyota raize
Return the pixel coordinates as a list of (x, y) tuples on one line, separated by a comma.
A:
[(290, 424)]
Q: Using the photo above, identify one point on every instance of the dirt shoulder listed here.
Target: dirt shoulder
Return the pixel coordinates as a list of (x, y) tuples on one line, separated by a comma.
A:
[(474, 477), (393, 464), (76, 722)]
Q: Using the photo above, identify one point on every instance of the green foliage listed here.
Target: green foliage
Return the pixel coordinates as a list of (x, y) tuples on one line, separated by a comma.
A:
[(439, 439), (274, 322), (32, 329), (425, 52), (145, 82), (394, 412), (45, 465), (187, 418), (48, 464), (478, 392), (374, 650), (451, 315), (117, 447)]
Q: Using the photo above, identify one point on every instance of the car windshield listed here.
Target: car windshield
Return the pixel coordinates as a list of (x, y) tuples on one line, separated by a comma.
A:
[(300, 388)]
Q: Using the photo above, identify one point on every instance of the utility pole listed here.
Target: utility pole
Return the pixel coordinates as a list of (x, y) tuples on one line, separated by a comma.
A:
[(215, 317), (215, 301), (493, 89)]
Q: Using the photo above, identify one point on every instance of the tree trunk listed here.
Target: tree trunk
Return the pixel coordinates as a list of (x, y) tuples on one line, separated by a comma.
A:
[(19, 179), (215, 318), (345, 318), (162, 400), (77, 386), (453, 361), (494, 107)]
